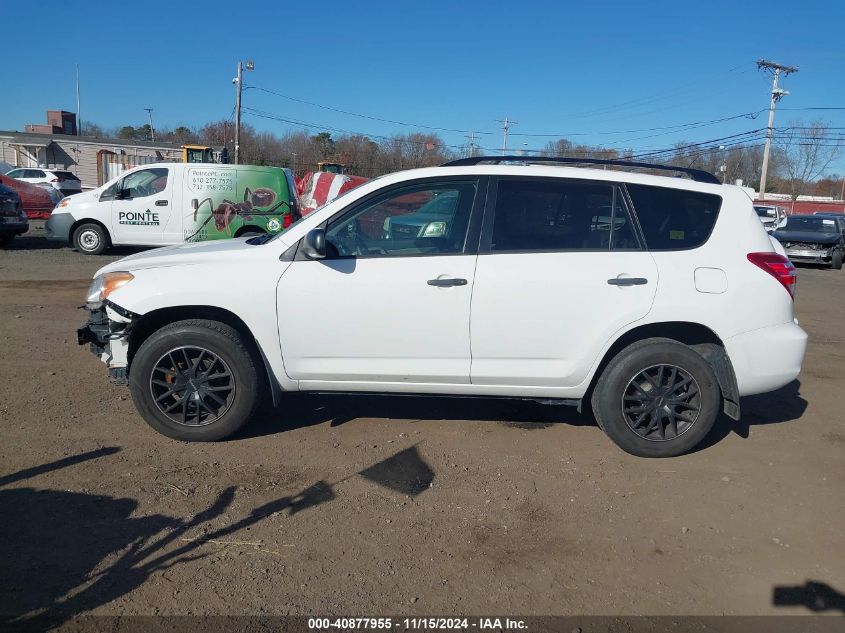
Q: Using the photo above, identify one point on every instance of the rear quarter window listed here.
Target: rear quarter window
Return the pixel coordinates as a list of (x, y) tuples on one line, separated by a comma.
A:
[(674, 219)]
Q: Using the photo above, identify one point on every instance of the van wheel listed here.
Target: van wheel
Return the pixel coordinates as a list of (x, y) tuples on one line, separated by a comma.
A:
[(836, 261), (657, 398), (195, 380), (90, 239)]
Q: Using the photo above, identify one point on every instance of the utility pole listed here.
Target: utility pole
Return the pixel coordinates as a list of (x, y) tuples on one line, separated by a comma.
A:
[(152, 129), (842, 194), (506, 124), (471, 137), (78, 112), (777, 95), (250, 65)]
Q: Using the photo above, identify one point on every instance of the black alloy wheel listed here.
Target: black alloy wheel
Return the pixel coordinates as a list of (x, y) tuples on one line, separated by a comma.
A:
[(192, 386), (661, 403)]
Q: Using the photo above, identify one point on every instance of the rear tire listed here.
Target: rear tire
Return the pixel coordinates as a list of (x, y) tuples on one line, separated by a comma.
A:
[(90, 239), (657, 398), (195, 380), (836, 261)]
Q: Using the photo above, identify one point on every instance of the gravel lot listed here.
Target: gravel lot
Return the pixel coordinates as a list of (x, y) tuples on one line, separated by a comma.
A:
[(350, 505)]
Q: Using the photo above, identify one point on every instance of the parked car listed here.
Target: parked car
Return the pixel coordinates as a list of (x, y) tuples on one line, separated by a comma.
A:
[(813, 239), (13, 219), (172, 203), (658, 318), (772, 217), (38, 201), (64, 181), (830, 214)]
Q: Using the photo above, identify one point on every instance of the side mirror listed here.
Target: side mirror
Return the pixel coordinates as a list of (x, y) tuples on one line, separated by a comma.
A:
[(314, 244)]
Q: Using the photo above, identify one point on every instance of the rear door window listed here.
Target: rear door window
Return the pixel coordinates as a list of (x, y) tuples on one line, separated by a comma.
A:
[(674, 219), (559, 215)]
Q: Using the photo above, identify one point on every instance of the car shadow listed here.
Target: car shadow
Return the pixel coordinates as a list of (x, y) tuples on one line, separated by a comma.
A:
[(66, 553), (36, 242), (814, 595), (300, 410), (783, 405)]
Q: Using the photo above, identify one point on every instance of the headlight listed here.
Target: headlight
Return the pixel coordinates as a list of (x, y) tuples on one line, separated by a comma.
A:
[(103, 286), (435, 229), (63, 203)]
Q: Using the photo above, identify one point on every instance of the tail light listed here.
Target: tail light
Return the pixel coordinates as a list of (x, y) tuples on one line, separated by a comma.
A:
[(778, 267), (288, 220)]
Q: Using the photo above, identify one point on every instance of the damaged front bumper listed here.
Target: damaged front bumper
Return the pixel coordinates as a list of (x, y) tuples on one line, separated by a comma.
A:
[(809, 256), (107, 333)]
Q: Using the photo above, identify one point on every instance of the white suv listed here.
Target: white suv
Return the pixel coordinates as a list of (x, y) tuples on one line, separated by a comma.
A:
[(656, 301), (64, 181)]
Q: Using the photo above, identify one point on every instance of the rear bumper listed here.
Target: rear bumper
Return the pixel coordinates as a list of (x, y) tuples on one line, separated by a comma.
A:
[(14, 228), (767, 359)]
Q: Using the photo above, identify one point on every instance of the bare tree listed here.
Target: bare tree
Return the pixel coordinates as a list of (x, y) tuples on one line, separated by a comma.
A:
[(808, 151)]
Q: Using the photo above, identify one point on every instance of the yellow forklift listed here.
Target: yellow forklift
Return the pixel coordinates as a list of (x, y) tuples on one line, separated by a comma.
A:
[(203, 154), (332, 168)]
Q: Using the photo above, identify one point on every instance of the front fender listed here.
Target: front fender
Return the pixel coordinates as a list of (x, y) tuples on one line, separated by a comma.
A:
[(249, 295)]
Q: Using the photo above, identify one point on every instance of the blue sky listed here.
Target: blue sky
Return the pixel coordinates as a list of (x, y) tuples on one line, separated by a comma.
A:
[(577, 69)]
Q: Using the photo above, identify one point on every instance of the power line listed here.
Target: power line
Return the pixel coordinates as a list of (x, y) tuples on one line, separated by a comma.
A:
[(329, 128), (363, 116), (634, 103), (694, 124)]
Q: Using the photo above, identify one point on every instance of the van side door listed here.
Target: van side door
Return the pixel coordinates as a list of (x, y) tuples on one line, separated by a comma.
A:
[(141, 206)]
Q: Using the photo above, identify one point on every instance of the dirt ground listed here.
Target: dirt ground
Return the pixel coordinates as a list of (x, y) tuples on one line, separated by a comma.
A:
[(348, 505)]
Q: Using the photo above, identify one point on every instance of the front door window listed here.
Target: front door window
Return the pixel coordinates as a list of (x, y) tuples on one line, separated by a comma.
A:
[(422, 220)]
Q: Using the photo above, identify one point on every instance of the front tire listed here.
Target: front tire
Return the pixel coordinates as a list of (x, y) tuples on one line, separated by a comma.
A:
[(836, 261), (6, 239), (90, 239), (195, 380), (657, 398)]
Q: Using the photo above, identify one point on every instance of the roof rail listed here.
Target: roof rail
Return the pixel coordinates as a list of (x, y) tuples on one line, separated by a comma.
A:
[(699, 175)]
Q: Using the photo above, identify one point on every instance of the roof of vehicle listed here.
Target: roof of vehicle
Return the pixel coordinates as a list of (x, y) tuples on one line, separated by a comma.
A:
[(552, 171), (204, 165), (699, 175)]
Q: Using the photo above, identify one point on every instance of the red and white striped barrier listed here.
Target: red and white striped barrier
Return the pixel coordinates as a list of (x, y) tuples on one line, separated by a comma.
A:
[(321, 187)]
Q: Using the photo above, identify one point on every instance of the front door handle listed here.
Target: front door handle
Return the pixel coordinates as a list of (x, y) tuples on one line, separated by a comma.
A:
[(161, 203), (446, 282), (627, 281)]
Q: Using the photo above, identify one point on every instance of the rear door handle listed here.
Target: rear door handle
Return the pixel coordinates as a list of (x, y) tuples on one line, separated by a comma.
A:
[(161, 203), (627, 281), (446, 282)]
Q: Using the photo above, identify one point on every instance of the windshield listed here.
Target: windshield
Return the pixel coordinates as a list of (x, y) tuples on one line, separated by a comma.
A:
[(765, 212), (811, 224)]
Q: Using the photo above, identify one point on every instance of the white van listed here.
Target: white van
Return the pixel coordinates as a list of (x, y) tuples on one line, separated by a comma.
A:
[(172, 203)]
